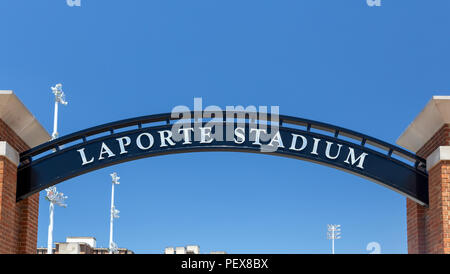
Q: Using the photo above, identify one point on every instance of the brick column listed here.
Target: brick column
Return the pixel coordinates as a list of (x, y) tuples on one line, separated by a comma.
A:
[(436, 218), (429, 136), (432, 223), (415, 216), (18, 221), (19, 131)]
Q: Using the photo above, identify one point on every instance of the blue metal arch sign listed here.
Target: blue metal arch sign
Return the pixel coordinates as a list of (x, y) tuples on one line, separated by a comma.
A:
[(161, 134)]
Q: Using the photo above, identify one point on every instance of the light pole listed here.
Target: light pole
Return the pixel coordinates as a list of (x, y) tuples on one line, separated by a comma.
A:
[(114, 214), (54, 197), (334, 233), (59, 99)]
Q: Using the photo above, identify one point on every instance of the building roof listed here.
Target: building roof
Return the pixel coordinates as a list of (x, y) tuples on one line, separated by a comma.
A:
[(14, 113), (435, 114)]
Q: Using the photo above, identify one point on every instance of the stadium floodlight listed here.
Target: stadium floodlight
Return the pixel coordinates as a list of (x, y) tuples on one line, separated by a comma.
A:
[(113, 248), (60, 98), (334, 233), (114, 214), (55, 198)]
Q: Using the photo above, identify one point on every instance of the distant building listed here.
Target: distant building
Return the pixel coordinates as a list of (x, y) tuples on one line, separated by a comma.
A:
[(80, 245), (190, 249), (91, 241)]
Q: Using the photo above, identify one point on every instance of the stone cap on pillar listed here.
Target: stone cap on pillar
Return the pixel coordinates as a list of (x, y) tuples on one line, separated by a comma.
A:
[(14, 113), (435, 114)]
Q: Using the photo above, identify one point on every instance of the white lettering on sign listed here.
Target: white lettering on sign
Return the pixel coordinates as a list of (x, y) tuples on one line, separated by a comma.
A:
[(309, 146), (84, 161), (105, 149), (150, 141), (360, 159)]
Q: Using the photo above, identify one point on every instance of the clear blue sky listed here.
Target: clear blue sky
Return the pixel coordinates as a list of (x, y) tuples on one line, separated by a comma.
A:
[(370, 69)]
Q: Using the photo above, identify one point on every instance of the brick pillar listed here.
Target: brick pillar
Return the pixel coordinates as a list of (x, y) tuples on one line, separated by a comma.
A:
[(434, 220), (437, 219), (429, 228), (429, 136), (19, 130), (18, 221), (415, 216)]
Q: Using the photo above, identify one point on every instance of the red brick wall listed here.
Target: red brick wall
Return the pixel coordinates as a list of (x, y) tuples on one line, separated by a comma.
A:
[(415, 227), (437, 220), (8, 135), (429, 228), (18, 221), (440, 138)]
